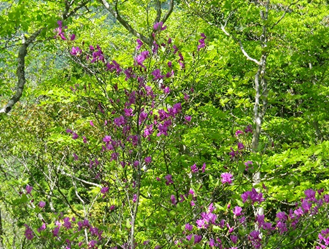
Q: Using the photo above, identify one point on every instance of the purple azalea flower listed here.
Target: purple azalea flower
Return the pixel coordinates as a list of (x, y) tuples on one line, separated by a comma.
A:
[(282, 216), (140, 44), (248, 129), (194, 168), (240, 146), (42, 204), (234, 239), (175, 49), (104, 190), (120, 121), (188, 118), (188, 227), (43, 227), (55, 231), (310, 194), (128, 112), (173, 199), (28, 189), (166, 90), (159, 26), (232, 153), (157, 74), (238, 132), (28, 233), (253, 195), (69, 131), (75, 136), (237, 211), (203, 167), (142, 57), (168, 179), (75, 51), (226, 178), (148, 160), (129, 73)]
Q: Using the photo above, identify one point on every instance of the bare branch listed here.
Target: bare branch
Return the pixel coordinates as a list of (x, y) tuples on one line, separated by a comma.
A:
[(240, 45), (124, 23), (284, 14), (78, 61), (20, 71), (171, 8), (158, 9), (81, 180), (81, 5)]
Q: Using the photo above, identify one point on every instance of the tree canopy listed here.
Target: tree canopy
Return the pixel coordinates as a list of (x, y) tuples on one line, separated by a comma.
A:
[(164, 124)]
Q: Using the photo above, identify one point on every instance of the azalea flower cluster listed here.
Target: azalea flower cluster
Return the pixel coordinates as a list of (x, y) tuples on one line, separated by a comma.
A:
[(309, 206), (69, 224)]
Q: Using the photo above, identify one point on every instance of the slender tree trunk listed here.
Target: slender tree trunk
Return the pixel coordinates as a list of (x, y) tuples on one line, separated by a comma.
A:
[(1, 232), (260, 108)]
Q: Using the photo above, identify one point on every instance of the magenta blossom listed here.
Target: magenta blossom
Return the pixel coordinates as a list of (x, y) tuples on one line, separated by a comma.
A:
[(173, 199), (226, 178), (148, 160), (248, 129), (240, 146), (234, 239), (76, 51), (253, 195), (232, 153), (28, 233), (238, 132), (188, 118), (140, 44), (188, 227), (201, 41), (168, 179), (43, 227), (104, 190), (28, 189), (159, 26), (75, 136), (194, 168), (203, 168), (237, 211), (42, 204)]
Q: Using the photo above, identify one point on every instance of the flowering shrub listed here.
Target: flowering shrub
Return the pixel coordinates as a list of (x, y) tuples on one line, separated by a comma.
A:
[(144, 196)]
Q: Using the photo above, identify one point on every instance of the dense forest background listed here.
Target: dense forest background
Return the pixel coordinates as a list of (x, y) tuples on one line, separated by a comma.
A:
[(164, 124)]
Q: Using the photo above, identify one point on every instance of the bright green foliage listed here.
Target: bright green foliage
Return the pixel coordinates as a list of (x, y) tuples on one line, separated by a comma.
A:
[(293, 151)]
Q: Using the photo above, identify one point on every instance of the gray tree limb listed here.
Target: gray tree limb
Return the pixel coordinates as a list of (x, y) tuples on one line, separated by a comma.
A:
[(114, 11), (26, 42), (171, 8), (147, 39), (20, 71)]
